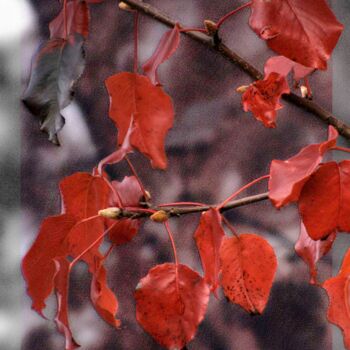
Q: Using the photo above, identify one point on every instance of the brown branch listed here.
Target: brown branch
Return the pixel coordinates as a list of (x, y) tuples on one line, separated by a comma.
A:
[(248, 68), (183, 210)]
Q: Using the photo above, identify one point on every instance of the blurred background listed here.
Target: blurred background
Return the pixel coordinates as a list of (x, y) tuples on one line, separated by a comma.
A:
[(213, 149)]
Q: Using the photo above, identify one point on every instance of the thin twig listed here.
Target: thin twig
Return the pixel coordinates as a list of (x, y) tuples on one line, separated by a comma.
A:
[(305, 104), (178, 211)]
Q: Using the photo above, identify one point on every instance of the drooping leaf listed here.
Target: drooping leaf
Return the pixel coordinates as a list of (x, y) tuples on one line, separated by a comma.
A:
[(38, 267), (287, 177), (104, 300), (304, 31), (77, 21), (283, 65), (248, 266), (311, 251), (56, 68), (134, 96), (324, 202), (338, 290), (62, 290), (208, 236), (167, 46), (263, 96), (170, 315)]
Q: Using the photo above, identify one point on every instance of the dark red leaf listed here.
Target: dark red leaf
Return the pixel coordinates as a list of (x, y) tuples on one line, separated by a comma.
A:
[(208, 236), (262, 98), (134, 99), (105, 302), (55, 70), (38, 267), (324, 202), (304, 31), (248, 265), (170, 315), (283, 65), (338, 290), (311, 251), (287, 177), (62, 290), (167, 46), (77, 21)]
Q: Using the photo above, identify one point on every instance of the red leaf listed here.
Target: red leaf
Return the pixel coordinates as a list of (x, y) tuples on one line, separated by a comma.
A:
[(248, 265), (311, 251), (134, 97), (83, 195), (324, 203), (169, 315), (283, 65), (38, 267), (338, 290), (287, 177), (77, 21), (208, 238), (130, 194), (304, 31), (62, 290), (105, 302), (167, 46), (262, 98)]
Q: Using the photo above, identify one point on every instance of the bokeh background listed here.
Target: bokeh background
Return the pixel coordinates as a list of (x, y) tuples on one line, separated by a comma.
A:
[(213, 149)]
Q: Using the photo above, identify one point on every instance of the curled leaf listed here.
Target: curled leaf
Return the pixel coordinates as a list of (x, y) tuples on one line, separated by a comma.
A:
[(287, 177), (170, 310), (248, 267), (311, 251), (262, 98), (208, 236), (167, 46)]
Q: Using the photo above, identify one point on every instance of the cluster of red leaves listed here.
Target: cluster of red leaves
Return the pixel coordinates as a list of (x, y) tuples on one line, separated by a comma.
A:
[(172, 299), (322, 191), (77, 233)]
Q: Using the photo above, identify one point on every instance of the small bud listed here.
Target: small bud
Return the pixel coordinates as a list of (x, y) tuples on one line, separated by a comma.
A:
[(110, 213), (148, 196), (125, 7), (211, 27), (139, 286), (305, 93), (159, 216), (242, 89)]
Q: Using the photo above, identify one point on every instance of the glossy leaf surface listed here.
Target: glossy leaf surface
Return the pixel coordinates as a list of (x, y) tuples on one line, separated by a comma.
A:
[(263, 96), (287, 177), (304, 31), (312, 251), (208, 236), (169, 314), (134, 96), (167, 46), (338, 290), (324, 203), (248, 265)]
